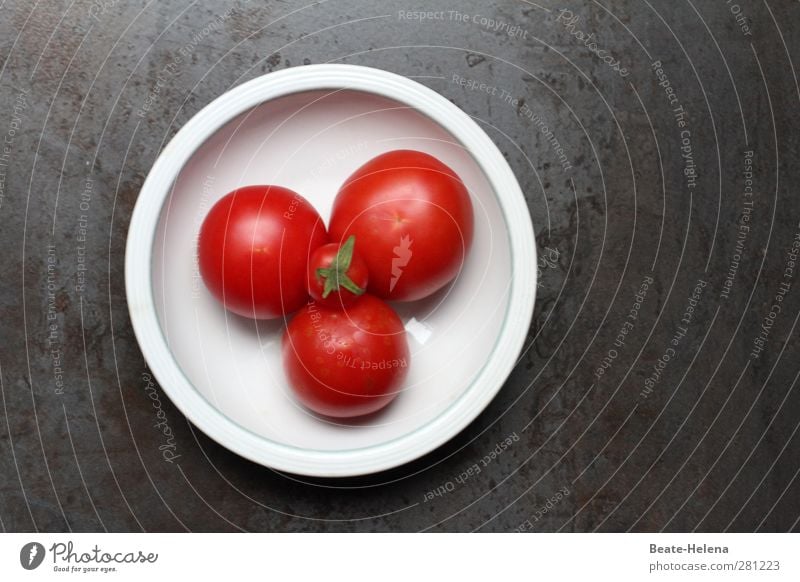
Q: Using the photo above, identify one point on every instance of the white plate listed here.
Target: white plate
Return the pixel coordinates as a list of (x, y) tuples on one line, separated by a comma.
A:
[(307, 129)]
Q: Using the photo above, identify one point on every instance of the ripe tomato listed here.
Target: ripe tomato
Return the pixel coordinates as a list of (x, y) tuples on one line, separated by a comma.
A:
[(412, 217), (346, 363), (254, 247), (337, 275)]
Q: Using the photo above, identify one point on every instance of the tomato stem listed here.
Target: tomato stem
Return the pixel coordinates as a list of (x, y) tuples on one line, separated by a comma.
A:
[(335, 276)]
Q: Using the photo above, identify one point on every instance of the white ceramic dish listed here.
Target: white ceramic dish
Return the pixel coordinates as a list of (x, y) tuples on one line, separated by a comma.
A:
[(307, 129)]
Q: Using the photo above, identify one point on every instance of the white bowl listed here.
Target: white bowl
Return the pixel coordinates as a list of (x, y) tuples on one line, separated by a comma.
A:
[(307, 129)]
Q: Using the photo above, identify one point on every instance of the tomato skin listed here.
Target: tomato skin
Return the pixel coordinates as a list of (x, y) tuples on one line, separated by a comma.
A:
[(344, 364), (413, 219), (323, 258), (253, 250)]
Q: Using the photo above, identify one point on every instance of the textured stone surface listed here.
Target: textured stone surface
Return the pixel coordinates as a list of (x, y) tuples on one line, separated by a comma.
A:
[(713, 447)]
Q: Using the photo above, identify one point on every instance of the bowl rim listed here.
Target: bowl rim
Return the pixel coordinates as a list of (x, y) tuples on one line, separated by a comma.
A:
[(139, 271)]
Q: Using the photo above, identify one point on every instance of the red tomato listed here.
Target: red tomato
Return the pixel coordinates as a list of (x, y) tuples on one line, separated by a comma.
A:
[(254, 248), (412, 217), (337, 275), (346, 363)]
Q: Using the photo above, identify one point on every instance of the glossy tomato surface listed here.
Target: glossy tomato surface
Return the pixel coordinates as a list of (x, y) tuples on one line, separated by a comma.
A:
[(346, 363), (337, 275), (413, 219), (254, 247)]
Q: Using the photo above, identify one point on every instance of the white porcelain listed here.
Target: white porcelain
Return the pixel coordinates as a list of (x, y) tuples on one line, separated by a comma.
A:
[(307, 129)]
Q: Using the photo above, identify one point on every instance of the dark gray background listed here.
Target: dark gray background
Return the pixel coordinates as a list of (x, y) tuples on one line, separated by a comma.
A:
[(713, 448)]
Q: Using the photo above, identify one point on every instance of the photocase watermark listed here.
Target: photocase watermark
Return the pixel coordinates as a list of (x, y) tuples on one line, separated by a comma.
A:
[(548, 259), (742, 227), (402, 256), (80, 237), (450, 486), (792, 255), (689, 167), (327, 340), (169, 70), (681, 118), (525, 111), (66, 559), (627, 326), (69, 560), (168, 448), (173, 68), (473, 470), (331, 160), (522, 109), (100, 7), (486, 22), (491, 24), (671, 352), (475, 85), (200, 215), (294, 204), (31, 555), (570, 21), (499, 449), (53, 335), (741, 20), (361, 364), (339, 156), (14, 124), (544, 509), (422, 15)]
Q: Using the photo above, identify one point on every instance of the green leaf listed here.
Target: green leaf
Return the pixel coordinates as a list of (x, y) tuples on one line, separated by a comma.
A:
[(335, 276), (348, 284), (345, 255)]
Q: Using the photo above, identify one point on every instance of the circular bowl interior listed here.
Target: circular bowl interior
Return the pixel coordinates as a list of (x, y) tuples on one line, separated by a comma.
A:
[(309, 134)]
